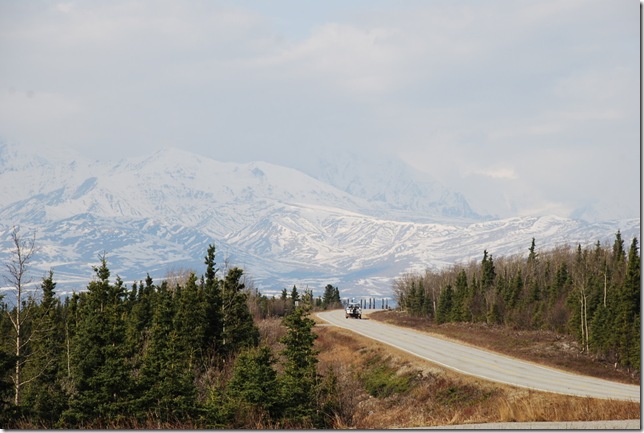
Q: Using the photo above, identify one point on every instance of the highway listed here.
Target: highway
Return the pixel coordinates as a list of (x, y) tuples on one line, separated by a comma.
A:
[(483, 363)]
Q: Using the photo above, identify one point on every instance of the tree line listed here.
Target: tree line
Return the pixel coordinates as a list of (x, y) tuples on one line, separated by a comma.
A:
[(591, 293), (183, 353)]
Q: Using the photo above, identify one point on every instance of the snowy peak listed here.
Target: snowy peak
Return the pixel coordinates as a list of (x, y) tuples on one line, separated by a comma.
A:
[(24, 175), (370, 222), (390, 181), (172, 178)]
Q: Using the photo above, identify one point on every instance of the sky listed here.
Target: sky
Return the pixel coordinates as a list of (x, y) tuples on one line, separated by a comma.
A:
[(524, 107)]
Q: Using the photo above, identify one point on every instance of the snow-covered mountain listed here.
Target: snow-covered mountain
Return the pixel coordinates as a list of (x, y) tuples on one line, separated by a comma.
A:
[(394, 184), (157, 214)]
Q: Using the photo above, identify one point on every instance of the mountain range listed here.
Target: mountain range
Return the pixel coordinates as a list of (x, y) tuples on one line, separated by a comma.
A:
[(352, 224)]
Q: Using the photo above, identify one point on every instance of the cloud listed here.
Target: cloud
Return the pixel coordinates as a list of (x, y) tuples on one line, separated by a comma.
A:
[(498, 173), (530, 96), (351, 59), (25, 113)]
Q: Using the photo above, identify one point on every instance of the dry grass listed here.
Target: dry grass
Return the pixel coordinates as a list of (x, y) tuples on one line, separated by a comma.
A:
[(439, 396), (435, 396), (542, 347)]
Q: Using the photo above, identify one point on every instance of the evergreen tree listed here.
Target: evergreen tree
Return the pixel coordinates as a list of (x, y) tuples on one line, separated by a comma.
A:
[(532, 256), (618, 260), (239, 331), (44, 395), (632, 288), (534, 290), (140, 309), (462, 298), (488, 273), (190, 321), (331, 297), (100, 371), (252, 386), (295, 296), (8, 410), (212, 289), (413, 304), (494, 316), (603, 338), (166, 383), (591, 293), (629, 310), (513, 291), (619, 255), (445, 305), (299, 379), (477, 302), (336, 297), (307, 297), (423, 301)]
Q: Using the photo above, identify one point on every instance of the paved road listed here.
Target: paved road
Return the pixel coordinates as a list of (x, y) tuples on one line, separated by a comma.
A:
[(628, 424), (483, 363)]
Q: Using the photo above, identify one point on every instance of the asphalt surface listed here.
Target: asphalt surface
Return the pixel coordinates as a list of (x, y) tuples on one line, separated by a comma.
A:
[(482, 363), (629, 424)]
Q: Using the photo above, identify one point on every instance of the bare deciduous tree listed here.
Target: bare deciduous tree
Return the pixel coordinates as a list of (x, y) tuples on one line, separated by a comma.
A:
[(17, 277)]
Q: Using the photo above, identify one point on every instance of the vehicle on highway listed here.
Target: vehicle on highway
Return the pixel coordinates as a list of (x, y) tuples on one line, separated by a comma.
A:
[(353, 310)]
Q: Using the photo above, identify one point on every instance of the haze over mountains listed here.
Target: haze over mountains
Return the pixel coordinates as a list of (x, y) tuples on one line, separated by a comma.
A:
[(345, 222)]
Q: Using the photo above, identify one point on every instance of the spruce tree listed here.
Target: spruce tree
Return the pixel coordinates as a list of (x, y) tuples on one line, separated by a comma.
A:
[(412, 303), (618, 260), (513, 291), (423, 301), (212, 289), (100, 370), (532, 256), (328, 298), (462, 298), (252, 387), (295, 296), (44, 395), (445, 305), (629, 310), (299, 379), (619, 255), (8, 410), (239, 331), (166, 381), (190, 320), (488, 272)]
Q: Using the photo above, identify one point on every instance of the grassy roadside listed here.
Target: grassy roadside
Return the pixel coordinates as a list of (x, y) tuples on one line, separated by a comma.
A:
[(381, 387), (542, 347)]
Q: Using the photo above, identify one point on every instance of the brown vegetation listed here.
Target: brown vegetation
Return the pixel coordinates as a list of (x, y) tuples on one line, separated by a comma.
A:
[(427, 395), (542, 347)]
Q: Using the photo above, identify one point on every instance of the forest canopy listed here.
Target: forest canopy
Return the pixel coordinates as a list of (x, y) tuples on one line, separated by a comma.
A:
[(184, 353), (591, 293)]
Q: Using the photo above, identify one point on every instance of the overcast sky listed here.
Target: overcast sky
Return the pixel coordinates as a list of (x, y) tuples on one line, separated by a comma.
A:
[(526, 107)]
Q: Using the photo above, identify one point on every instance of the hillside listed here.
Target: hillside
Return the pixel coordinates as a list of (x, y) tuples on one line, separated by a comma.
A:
[(159, 212)]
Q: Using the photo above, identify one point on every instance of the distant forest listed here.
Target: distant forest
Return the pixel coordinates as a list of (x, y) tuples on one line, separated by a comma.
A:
[(186, 353), (590, 293)]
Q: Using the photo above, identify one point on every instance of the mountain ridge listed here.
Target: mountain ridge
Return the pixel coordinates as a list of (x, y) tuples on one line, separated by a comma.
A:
[(159, 212)]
